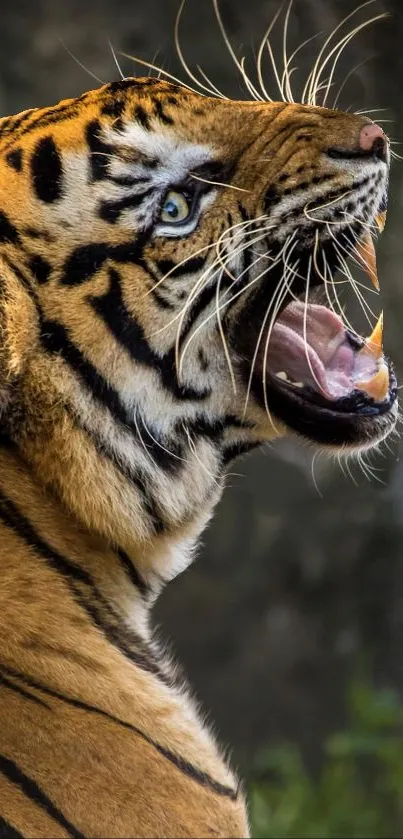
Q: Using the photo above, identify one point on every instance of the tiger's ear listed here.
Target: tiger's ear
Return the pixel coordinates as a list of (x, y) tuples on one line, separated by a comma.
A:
[(19, 327)]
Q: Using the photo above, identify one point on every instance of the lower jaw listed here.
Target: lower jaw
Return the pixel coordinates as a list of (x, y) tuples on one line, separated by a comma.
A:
[(326, 425)]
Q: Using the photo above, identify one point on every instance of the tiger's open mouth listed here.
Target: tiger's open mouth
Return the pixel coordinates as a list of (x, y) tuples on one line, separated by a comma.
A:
[(323, 381)]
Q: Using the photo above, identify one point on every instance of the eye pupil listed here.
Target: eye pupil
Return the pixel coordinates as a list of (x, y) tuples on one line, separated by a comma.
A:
[(172, 209), (176, 208)]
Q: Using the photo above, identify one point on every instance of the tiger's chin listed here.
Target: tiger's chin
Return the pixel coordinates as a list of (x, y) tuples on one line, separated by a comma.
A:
[(321, 381)]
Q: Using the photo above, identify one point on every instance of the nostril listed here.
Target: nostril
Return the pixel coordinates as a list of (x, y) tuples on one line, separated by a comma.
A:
[(373, 141)]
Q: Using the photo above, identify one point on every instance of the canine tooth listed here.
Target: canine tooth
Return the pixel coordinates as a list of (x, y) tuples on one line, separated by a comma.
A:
[(298, 384), (373, 344), (366, 252), (380, 221), (378, 386), (282, 375)]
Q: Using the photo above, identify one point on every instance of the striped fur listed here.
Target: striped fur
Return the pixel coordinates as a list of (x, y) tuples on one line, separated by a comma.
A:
[(110, 462)]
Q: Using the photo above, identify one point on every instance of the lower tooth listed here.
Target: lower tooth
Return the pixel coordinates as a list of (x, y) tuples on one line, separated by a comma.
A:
[(284, 378)]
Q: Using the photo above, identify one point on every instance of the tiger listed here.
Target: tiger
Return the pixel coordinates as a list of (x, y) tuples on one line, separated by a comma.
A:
[(167, 260)]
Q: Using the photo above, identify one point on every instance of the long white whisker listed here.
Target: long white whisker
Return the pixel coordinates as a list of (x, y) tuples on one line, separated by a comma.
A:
[(160, 70), (230, 49), (311, 82), (285, 81), (120, 71), (217, 91), (202, 465), (348, 76), (219, 183), (260, 55), (277, 292), (274, 314), (80, 64), (275, 71), (222, 334), (182, 57), (234, 296), (340, 48)]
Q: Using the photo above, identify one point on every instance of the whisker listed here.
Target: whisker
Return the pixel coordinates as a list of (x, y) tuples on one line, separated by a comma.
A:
[(275, 71), (260, 55), (223, 338), (212, 85), (281, 297), (314, 481), (339, 48), (304, 328), (120, 71), (285, 80), (219, 183), (277, 292), (160, 70), (348, 76), (308, 94), (164, 448), (202, 465), (234, 296), (182, 59), (230, 49), (80, 64)]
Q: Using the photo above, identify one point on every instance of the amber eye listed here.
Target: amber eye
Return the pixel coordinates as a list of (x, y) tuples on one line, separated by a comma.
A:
[(175, 209)]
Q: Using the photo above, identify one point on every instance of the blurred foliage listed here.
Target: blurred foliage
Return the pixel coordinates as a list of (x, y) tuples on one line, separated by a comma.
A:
[(358, 791)]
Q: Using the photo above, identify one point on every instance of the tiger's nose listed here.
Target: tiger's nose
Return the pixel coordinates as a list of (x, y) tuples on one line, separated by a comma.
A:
[(373, 141)]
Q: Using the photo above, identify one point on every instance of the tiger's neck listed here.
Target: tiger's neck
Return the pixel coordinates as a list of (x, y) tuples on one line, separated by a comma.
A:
[(96, 488), (146, 496)]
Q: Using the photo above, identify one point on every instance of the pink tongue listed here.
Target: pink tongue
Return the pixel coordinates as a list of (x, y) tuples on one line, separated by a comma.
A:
[(309, 345)]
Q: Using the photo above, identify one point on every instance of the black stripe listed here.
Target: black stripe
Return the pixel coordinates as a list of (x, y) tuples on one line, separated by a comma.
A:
[(162, 301), (160, 113), (14, 159), (86, 260), (183, 765), (111, 211), (124, 84), (233, 450), (102, 447), (190, 266), (40, 268), (7, 684), (32, 791), (113, 107), (12, 124), (130, 335), (24, 280), (99, 610), (5, 125), (128, 180), (100, 151), (141, 116), (7, 831), (55, 339), (203, 300), (8, 232), (45, 117), (47, 171), (35, 233), (133, 573)]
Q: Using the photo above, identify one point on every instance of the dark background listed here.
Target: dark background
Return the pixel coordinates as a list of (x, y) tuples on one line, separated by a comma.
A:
[(295, 588)]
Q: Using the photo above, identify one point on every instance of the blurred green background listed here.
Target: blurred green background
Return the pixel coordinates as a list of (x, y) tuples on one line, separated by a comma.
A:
[(290, 624)]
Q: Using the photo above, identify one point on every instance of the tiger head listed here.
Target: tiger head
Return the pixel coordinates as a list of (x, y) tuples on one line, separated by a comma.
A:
[(168, 266)]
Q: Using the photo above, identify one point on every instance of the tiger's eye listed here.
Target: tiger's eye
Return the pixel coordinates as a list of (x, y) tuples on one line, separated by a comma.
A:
[(175, 209)]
